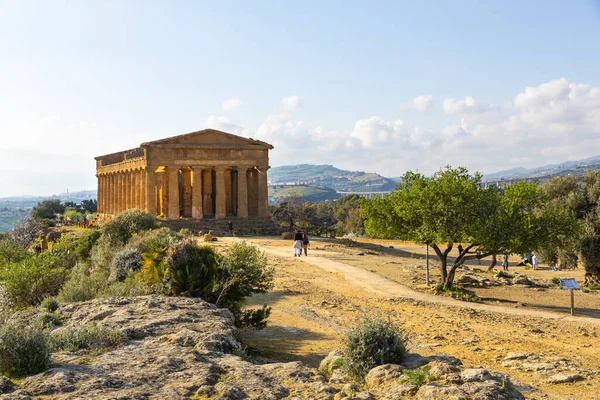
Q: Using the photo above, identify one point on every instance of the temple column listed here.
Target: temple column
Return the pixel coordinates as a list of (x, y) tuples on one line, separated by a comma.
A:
[(127, 175), (173, 190), (138, 189), (110, 194), (113, 193), (99, 193), (123, 192), (221, 207), (104, 192), (143, 194), (263, 192), (242, 194), (197, 211), (150, 192)]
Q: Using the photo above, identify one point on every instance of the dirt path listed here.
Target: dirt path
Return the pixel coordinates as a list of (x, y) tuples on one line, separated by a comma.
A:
[(382, 286)]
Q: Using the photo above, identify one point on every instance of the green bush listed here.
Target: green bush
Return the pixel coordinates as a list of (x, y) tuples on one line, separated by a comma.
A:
[(31, 280), (50, 304), (103, 253), (555, 280), (154, 239), (24, 350), (371, 343), (124, 261), (85, 243), (11, 251), (256, 319), (86, 337), (417, 377), (83, 285), (593, 286), (245, 272), (456, 293), (131, 286), (122, 227), (49, 319), (193, 270)]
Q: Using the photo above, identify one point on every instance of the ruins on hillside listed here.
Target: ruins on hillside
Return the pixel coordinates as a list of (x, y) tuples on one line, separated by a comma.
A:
[(199, 175)]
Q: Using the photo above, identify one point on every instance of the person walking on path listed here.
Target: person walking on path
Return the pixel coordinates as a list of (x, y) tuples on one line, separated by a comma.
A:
[(505, 262), (478, 252), (297, 244), (534, 261), (305, 244), (230, 227)]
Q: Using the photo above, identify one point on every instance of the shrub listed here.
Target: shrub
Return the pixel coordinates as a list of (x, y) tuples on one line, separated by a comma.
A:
[(50, 304), (130, 287), (245, 273), (11, 251), (103, 253), (555, 280), (371, 343), (256, 319), (85, 243), (86, 337), (193, 270), (24, 350), (83, 285), (49, 319), (31, 280), (154, 239), (124, 261), (122, 227), (593, 286), (417, 377), (456, 293)]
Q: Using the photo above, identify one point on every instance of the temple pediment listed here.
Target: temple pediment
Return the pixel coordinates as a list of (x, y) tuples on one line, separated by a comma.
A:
[(208, 137)]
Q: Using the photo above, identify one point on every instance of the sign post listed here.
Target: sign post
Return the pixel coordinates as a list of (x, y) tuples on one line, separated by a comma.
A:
[(427, 265), (570, 284)]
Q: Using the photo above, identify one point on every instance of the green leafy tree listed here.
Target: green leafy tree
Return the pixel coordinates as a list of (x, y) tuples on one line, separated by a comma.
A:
[(288, 212), (452, 207), (47, 210), (90, 206), (579, 199)]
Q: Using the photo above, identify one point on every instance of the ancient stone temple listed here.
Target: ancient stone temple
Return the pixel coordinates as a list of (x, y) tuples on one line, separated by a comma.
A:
[(200, 175)]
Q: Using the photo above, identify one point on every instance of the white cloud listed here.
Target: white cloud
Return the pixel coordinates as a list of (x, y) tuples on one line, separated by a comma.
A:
[(221, 123), (231, 104), (454, 106), (419, 103), (291, 103)]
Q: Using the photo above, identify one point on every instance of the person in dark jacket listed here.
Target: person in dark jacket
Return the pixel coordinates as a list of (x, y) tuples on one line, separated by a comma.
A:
[(305, 244)]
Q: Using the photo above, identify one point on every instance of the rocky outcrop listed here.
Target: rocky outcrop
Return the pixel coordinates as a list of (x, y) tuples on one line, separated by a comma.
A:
[(183, 348), (178, 348)]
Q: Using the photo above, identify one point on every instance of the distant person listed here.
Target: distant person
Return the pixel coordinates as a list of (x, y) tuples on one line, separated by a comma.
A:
[(534, 262), (297, 244), (505, 262), (553, 265), (230, 227), (460, 249), (305, 245), (478, 252)]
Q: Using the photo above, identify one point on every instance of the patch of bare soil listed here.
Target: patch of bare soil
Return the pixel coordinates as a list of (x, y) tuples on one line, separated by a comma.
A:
[(313, 308)]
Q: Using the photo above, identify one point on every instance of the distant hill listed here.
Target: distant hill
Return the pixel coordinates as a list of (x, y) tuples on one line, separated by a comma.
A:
[(570, 167), (308, 193), (327, 176)]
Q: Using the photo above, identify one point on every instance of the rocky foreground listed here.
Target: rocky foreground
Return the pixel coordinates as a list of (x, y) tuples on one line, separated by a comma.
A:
[(182, 348)]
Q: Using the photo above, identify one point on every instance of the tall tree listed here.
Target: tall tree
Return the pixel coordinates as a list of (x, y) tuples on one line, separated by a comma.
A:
[(452, 207), (288, 212), (580, 199)]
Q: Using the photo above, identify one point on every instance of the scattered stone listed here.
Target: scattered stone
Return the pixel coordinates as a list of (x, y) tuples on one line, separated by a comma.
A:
[(521, 280), (537, 366), (475, 375), (515, 355), (473, 280), (399, 391), (437, 392), (564, 378), (331, 363), (383, 375)]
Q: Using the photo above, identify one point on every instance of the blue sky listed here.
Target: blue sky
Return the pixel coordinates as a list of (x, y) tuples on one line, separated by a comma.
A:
[(377, 86)]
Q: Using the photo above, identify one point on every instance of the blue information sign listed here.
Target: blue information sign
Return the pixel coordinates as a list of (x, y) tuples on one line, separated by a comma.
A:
[(569, 284)]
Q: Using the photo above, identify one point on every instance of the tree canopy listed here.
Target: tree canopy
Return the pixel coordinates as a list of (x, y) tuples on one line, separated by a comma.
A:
[(452, 207)]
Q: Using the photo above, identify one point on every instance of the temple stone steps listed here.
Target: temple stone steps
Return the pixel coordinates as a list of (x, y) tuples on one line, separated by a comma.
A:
[(260, 226)]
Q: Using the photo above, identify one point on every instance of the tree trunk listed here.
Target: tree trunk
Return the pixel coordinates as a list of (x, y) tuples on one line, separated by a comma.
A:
[(493, 263), (450, 278), (443, 261)]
